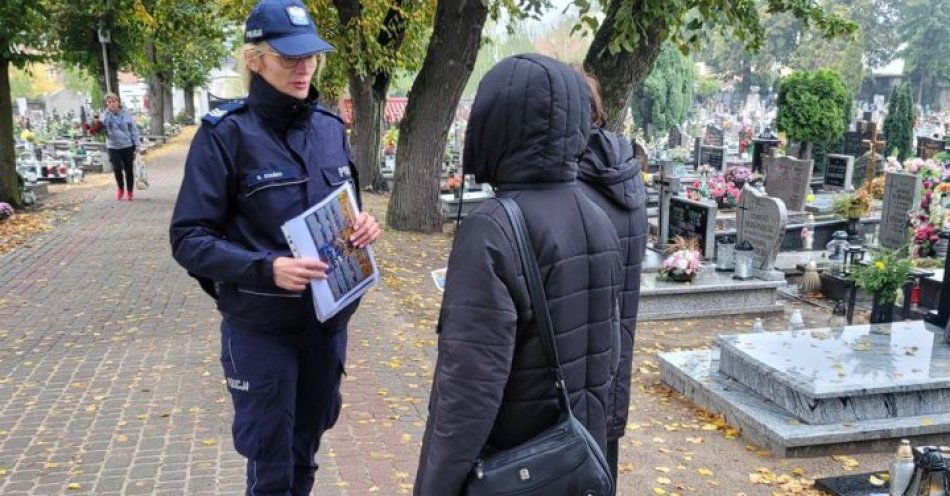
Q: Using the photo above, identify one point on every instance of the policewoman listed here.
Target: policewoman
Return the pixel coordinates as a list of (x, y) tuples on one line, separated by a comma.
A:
[(252, 166)]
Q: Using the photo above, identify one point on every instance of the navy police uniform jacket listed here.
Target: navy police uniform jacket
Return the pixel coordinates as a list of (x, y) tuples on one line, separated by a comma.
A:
[(252, 166)]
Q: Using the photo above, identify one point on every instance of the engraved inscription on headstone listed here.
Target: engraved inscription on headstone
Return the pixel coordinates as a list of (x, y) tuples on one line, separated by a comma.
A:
[(788, 179), (714, 136), (901, 195), (761, 221), (839, 170), (713, 156), (697, 220)]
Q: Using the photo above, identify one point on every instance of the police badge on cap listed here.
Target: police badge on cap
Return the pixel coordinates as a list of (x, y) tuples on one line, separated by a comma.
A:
[(286, 26), (298, 16)]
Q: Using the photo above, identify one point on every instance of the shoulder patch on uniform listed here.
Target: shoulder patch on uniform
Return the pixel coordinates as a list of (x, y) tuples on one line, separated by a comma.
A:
[(218, 114), (326, 111)]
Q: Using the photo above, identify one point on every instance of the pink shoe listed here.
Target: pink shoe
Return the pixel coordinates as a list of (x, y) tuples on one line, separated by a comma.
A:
[(119, 194), (129, 195)]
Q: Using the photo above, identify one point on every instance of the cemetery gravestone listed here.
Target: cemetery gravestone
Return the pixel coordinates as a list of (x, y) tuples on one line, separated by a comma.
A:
[(675, 139), (713, 156), (839, 172), (761, 221), (928, 148), (788, 179), (854, 144), (714, 136), (691, 219), (669, 187), (901, 195), (697, 146), (762, 148)]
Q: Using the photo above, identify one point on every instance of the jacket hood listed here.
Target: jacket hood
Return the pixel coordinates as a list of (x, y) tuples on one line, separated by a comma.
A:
[(529, 123), (608, 165)]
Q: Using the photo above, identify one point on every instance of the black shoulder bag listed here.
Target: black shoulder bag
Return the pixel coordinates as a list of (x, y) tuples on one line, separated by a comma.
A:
[(563, 460)]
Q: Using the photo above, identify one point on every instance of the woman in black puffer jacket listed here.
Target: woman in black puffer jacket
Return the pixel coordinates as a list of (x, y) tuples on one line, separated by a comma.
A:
[(609, 174), (492, 387)]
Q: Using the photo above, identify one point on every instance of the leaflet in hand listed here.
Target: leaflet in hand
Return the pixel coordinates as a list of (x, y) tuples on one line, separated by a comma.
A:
[(323, 231)]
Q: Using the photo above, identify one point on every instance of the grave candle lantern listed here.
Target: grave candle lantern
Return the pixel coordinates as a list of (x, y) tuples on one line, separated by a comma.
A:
[(837, 250), (725, 253), (743, 257)]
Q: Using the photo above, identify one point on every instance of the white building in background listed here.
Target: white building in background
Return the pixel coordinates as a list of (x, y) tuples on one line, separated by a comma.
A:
[(63, 102)]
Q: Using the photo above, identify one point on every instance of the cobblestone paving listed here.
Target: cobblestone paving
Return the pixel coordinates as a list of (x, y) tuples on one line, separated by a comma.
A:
[(110, 381)]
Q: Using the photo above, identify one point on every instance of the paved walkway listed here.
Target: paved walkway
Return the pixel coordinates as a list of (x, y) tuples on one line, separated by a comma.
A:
[(110, 381)]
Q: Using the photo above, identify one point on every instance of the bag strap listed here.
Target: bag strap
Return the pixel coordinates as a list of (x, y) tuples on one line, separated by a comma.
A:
[(539, 302)]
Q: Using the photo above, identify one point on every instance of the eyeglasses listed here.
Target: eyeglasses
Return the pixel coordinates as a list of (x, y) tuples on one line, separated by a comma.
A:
[(309, 61)]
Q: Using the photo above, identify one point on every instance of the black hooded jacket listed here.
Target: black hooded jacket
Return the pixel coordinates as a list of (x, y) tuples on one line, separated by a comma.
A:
[(610, 176), (492, 384)]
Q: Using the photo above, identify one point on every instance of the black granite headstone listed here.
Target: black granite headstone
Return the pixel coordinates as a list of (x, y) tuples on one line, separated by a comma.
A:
[(696, 220)]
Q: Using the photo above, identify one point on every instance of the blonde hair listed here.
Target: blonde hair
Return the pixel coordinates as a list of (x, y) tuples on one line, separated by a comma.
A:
[(258, 49), (109, 95)]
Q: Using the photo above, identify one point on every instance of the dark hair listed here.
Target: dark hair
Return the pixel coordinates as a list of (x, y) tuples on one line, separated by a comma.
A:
[(597, 114)]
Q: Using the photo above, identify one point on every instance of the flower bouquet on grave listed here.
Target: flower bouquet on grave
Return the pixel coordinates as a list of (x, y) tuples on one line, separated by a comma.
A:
[(738, 175), (853, 206), (683, 262), (928, 169), (724, 192), (882, 277)]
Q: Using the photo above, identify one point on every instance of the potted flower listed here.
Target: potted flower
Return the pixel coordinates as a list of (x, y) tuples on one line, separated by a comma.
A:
[(882, 277), (684, 260), (853, 207)]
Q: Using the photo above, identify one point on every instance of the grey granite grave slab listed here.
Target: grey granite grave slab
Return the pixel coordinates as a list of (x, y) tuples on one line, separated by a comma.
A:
[(714, 294), (761, 221), (788, 179), (857, 373), (695, 374), (901, 195)]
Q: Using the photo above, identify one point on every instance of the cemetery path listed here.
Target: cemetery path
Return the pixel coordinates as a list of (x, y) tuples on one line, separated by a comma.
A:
[(110, 381)]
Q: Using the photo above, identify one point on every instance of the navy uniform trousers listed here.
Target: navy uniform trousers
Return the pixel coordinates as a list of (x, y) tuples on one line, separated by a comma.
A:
[(286, 394)]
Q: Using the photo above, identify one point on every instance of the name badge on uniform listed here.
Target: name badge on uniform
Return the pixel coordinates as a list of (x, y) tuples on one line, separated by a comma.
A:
[(344, 171), (270, 175)]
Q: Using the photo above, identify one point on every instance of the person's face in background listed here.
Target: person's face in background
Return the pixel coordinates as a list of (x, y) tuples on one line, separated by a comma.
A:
[(290, 76), (112, 104)]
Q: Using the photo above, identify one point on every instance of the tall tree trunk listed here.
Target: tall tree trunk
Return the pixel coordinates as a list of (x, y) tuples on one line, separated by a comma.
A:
[(450, 58), (190, 104), (168, 100), (9, 186), (156, 105), (621, 73), (368, 108)]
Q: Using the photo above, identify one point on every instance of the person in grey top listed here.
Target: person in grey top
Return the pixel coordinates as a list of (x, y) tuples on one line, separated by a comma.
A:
[(122, 139)]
